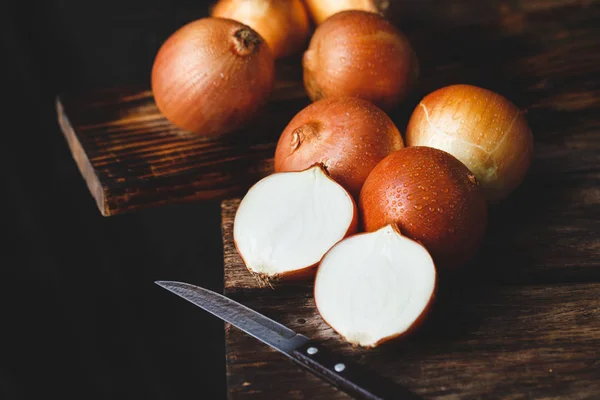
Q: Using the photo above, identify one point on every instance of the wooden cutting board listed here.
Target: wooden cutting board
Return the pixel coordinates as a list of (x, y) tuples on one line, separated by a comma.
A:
[(523, 324), (523, 321), (132, 157)]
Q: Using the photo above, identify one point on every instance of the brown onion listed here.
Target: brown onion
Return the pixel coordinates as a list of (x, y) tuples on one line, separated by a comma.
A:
[(349, 136), (212, 76), (484, 130), (320, 10), (361, 54), (284, 24), (432, 197)]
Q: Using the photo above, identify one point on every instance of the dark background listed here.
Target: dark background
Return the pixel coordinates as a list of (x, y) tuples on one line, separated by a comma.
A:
[(81, 316)]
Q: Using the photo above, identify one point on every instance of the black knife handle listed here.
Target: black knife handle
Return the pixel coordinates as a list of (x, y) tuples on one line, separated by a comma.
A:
[(357, 381)]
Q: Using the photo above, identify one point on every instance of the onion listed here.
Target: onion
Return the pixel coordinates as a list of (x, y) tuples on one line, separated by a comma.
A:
[(320, 10), (284, 24), (360, 54), (374, 287), (349, 136), (484, 130), (432, 197), (212, 76), (288, 221)]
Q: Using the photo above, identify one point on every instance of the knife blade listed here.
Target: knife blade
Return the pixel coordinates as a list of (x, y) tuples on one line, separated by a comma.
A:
[(343, 373)]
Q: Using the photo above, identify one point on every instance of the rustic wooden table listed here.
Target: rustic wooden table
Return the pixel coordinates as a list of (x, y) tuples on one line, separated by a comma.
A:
[(523, 321)]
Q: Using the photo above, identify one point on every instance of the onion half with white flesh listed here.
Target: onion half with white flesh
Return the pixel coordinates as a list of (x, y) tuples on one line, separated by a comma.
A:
[(375, 286), (289, 220)]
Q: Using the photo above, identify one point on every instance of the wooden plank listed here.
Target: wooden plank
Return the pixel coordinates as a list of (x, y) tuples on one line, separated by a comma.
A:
[(494, 332), (482, 340), (131, 157), (543, 55), (511, 342)]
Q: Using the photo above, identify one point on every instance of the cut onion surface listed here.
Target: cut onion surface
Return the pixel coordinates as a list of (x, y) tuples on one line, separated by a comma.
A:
[(375, 286), (289, 220)]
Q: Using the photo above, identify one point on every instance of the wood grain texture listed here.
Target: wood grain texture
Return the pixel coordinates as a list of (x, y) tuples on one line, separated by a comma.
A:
[(522, 321), (493, 332), (542, 55), (506, 342), (131, 157)]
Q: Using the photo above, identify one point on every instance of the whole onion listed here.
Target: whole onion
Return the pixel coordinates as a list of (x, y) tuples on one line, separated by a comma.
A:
[(349, 136), (212, 76), (432, 197), (284, 24), (360, 54), (484, 130)]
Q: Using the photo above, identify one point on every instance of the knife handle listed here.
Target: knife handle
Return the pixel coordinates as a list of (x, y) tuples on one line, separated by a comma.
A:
[(355, 380)]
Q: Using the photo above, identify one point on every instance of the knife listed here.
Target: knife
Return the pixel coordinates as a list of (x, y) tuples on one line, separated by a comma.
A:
[(344, 374)]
